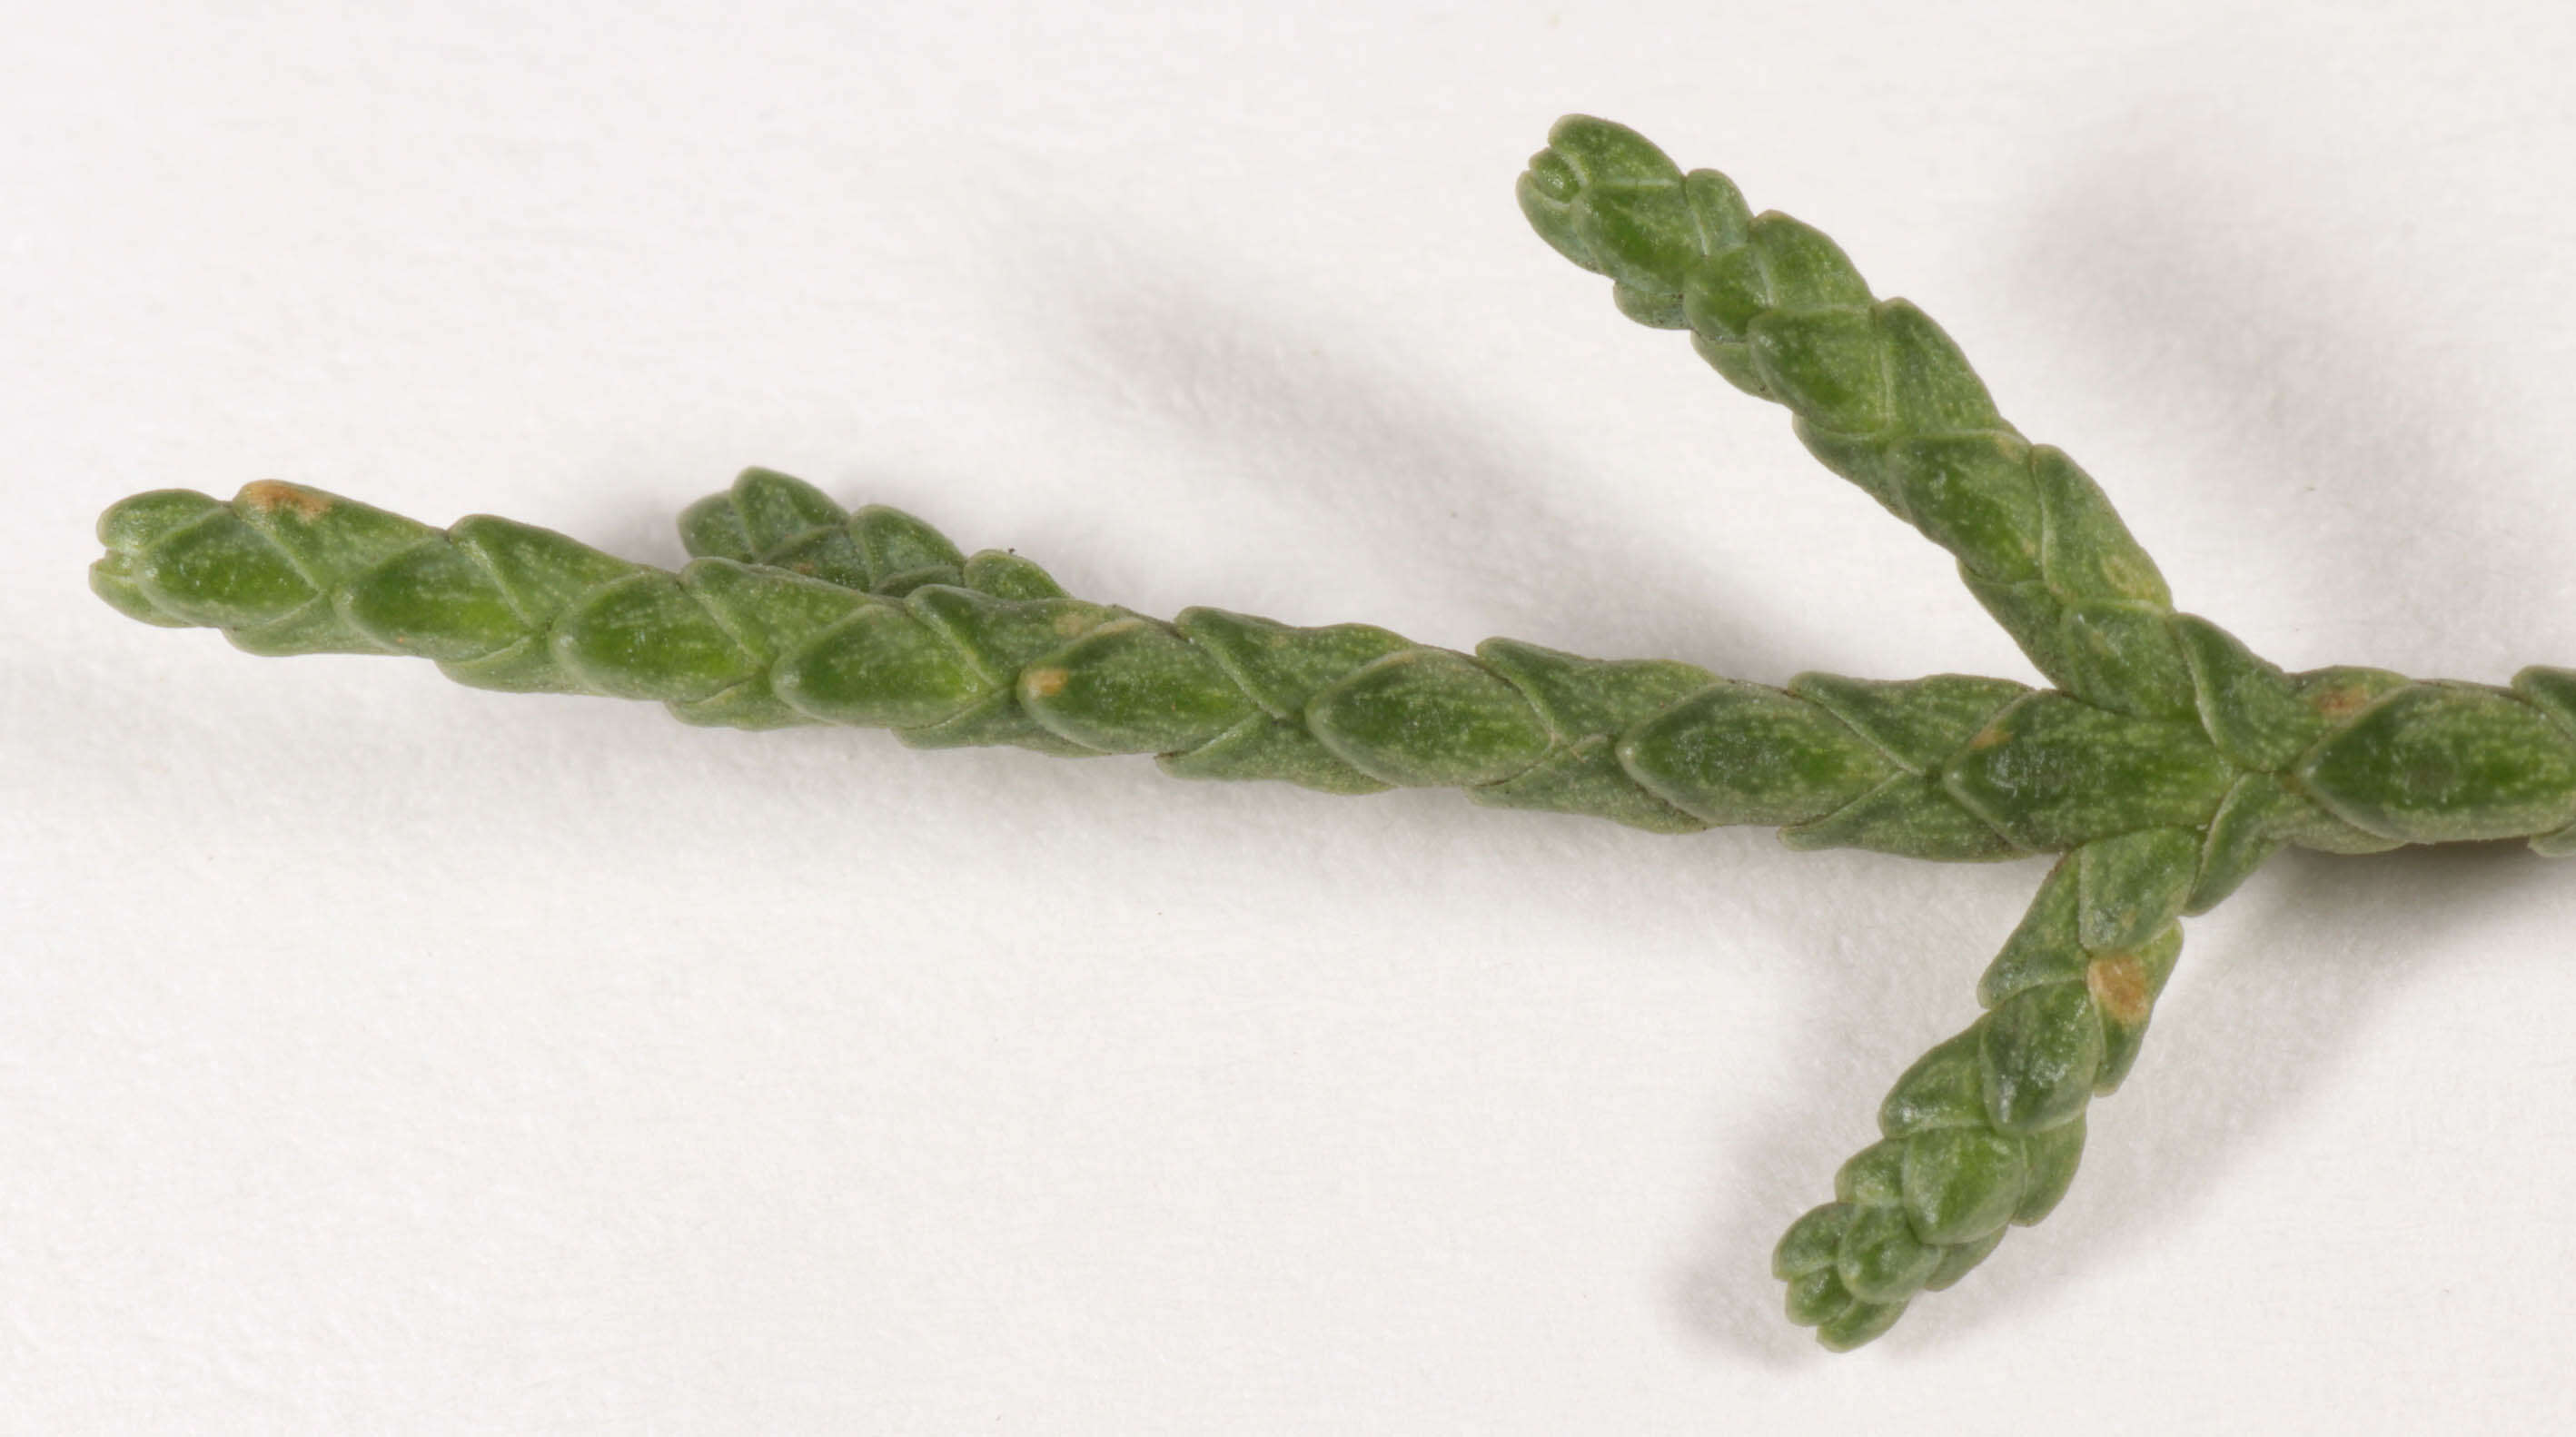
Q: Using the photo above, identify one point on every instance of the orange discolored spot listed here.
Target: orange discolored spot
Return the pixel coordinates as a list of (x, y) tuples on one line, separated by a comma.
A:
[(1987, 737), (1044, 683), (270, 495), (2340, 701), (1071, 624), (2118, 983)]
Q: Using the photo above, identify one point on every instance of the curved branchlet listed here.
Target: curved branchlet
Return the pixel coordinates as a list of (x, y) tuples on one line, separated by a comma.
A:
[(1986, 1130), (1881, 395)]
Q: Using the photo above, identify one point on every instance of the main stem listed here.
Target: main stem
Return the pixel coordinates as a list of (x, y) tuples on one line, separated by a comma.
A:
[(890, 627)]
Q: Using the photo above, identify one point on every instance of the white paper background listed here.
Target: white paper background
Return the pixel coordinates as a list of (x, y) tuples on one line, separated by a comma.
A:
[(377, 1054)]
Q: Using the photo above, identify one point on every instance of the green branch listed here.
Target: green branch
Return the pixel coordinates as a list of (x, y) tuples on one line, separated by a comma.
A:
[(2168, 763)]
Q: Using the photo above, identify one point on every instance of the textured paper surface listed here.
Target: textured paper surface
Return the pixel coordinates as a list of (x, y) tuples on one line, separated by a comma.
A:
[(380, 1055)]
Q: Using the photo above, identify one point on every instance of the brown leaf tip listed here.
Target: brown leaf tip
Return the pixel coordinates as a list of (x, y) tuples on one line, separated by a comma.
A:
[(2340, 701), (267, 496)]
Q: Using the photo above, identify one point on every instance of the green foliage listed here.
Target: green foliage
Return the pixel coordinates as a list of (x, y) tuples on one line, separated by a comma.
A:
[(2166, 765)]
